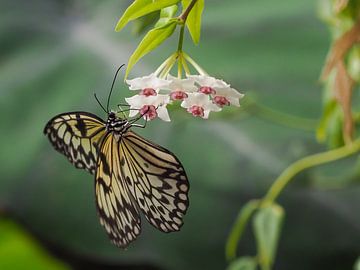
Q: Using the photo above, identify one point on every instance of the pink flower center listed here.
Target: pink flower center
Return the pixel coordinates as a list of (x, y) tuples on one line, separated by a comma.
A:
[(221, 101), (149, 112), (178, 95), (196, 110), (207, 90), (148, 92)]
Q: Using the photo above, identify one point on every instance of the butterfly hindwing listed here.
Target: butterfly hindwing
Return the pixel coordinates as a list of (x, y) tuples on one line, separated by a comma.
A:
[(116, 208), (131, 174), (77, 135), (156, 180)]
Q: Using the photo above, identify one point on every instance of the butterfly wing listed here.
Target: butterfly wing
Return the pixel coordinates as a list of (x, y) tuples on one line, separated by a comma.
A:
[(77, 135), (116, 207), (156, 180)]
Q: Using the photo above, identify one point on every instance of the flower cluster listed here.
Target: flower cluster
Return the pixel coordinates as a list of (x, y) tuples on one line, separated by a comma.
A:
[(199, 95)]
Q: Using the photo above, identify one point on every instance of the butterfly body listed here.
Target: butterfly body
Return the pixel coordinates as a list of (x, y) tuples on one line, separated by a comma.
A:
[(132, 174), (117, 125)]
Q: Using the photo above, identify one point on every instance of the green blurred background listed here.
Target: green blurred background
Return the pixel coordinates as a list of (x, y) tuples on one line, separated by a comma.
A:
[(55, 54)]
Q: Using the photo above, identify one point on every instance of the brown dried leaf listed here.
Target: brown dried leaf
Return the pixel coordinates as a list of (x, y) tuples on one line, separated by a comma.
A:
[(343, 91), (340, 48)]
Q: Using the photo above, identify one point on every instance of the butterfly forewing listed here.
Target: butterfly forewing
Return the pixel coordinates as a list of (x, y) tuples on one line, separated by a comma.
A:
[(116, 207), (157, 181), (131, 173), (77, 135)]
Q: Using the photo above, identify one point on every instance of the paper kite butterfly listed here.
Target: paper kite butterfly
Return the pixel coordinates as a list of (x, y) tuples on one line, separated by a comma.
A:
[(132, 174)]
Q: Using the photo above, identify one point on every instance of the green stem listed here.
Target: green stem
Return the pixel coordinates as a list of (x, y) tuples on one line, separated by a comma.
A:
[(239, 228), (199, 69), (285, 119), (185, 66), (179, 51), (305, 163), (161, 67), (180, 60), (168, 66), (181, 38)]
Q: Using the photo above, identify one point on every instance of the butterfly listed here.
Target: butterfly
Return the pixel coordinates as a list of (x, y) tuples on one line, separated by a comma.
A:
[(132, 174)]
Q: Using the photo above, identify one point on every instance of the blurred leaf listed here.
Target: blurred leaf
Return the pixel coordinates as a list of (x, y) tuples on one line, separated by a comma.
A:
[(193, 21), (321, 131), (141, 24), (331, 122), (239, 227), (357, 264), (267, 227), (140, 8), (151, 40), (166, 15), (354, 63), (18, 250), (243, 263)]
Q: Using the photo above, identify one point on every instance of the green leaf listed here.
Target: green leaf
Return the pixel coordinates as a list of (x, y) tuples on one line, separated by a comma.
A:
[(144, 23), (239, 227), (357, 264), (151, 40), (140, 8), (166, 15), (19, 250), (193, 21), (243, 263), (321, 131), (267, 227)]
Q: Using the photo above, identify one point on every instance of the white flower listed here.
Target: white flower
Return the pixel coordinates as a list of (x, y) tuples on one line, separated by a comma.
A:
[(227, 96), (149, 106), (150, 82), (181, 84), (207, 84), (178, 86), (199, 104), (220, 91)]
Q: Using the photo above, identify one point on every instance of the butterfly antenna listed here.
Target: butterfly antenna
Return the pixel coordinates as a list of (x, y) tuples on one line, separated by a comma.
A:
[(112, 86), (100, 103)]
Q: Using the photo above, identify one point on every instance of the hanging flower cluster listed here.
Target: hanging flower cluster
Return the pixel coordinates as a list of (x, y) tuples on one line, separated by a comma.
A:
[(198, 94)]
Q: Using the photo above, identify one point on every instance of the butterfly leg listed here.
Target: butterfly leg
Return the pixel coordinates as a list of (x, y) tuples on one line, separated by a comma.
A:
[(137, 125)]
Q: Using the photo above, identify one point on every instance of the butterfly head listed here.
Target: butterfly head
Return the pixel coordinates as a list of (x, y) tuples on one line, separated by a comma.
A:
[(111, 116), (117, 124)]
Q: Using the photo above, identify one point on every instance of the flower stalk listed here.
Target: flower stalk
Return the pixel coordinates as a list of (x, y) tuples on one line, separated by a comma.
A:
[(307, 162)]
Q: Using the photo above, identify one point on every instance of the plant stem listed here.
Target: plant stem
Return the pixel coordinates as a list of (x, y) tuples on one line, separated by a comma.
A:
[(180, 60), (186, 68), (305, 163), (185, 14), (194, 64), (161, 67), (239, 228), (183, 18), (282, 118), (181, 38)]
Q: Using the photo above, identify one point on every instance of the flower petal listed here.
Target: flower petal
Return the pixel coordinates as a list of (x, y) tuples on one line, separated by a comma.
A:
[(228, 92), (206, 114), (185, 85), (199, 99), (150, 81), (136, 101), (133, 112), (209, 81), (163, 113)]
